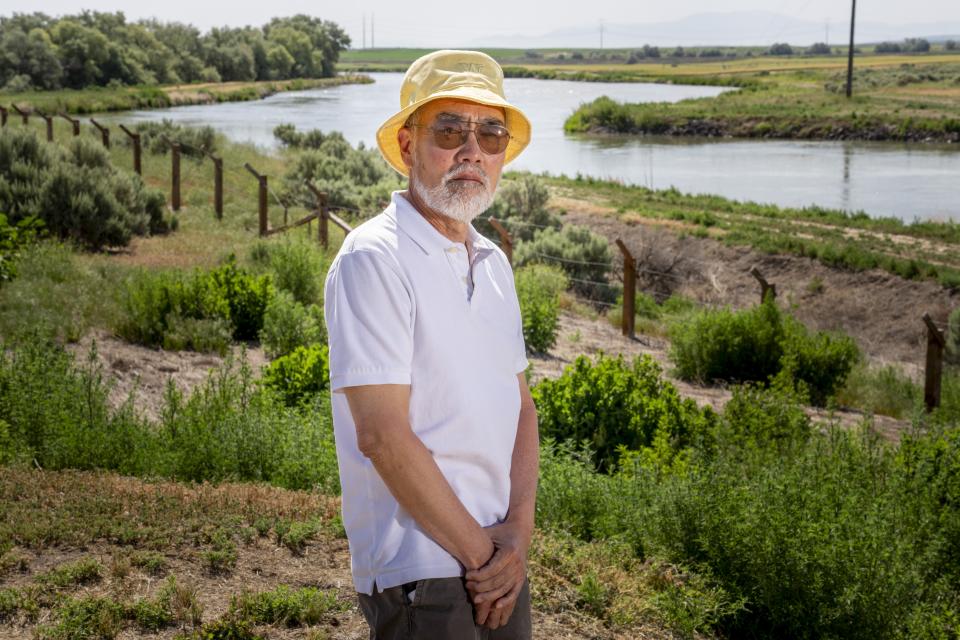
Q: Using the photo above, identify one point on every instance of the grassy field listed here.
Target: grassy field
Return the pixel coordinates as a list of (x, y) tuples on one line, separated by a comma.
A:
[(97, 100)]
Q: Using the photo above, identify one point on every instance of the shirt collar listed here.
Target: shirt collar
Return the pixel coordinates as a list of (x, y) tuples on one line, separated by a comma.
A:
[(426, 235)]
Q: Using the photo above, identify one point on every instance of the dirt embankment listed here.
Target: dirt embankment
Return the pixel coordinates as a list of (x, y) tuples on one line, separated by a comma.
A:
[(881, 311)]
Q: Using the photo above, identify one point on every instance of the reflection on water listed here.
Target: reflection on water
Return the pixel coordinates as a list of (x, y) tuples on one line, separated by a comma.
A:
[(907, 181)]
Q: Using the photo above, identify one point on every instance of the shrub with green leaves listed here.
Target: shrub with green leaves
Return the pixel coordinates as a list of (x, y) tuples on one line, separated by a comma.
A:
[(612, 404), (757, 343), (287, 324), (299, 374), (584, 255), (521, 206), (193, 140), (538, 290), (198, 311), (76, 191), (357, 178), (298, 267), (13, 239)]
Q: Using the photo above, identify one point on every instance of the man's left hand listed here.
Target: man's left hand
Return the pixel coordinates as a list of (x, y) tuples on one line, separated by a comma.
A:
[(494, 587)]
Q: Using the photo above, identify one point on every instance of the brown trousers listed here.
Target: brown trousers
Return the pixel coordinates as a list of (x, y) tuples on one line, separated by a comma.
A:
[(441, 610)]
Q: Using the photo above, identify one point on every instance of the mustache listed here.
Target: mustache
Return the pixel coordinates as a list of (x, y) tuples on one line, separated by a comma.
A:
[(462, 169)]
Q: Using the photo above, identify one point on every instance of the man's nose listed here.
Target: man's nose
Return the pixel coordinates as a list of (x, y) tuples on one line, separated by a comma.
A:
[(470, 150)]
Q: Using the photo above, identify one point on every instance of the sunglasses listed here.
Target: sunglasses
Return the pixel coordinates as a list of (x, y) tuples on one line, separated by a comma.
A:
[(492, 138)]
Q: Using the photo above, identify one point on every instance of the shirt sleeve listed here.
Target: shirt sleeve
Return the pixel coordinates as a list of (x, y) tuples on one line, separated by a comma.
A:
[(369, 314)]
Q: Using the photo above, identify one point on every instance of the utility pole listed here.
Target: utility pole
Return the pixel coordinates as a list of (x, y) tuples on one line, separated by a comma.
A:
[(827, 33), (373, 42), (364, 31), (853, 18), (601, 34)]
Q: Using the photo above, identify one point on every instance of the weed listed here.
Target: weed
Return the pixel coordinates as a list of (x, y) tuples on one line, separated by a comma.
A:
[(80, 572), (292, 608)]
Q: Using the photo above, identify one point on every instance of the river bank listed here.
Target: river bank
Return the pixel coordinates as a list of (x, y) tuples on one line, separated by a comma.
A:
[(101, 99), (915, 101)]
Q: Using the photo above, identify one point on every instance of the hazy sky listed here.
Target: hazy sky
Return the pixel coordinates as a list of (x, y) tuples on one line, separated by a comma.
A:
[(432, 23)]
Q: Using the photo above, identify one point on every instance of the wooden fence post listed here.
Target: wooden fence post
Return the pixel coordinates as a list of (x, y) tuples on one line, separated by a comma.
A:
[(104, 133), (765, 287), (261, 200), (323, 217), (135, 139), (217, 184), (49, 121), (936, 342), (3, 116), (505, 240), (73, 121), (23, 114), (628, 319)]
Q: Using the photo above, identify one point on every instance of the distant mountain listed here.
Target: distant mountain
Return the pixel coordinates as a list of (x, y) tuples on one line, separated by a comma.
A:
[(715, 29)]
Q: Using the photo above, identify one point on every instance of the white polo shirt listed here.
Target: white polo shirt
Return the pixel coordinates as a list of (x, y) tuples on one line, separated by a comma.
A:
[(398, 311)]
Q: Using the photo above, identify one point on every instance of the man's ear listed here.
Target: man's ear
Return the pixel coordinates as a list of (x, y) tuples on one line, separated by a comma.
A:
[(405, 141)]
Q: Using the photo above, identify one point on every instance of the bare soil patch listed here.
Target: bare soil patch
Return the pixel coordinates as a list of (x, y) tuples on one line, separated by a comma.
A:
[(144, 372)]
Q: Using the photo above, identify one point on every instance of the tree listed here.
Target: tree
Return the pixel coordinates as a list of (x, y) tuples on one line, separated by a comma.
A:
[(780, 49), (819, 49), (82, 52), (31, 55)]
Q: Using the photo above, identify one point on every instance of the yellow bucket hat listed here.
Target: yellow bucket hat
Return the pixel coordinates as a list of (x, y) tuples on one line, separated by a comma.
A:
[(448, 73)]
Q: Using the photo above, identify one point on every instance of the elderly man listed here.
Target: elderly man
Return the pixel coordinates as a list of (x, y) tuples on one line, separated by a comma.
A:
[(435, 428)]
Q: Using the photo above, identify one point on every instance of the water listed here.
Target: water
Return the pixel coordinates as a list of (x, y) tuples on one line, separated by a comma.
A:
[(884, 179)]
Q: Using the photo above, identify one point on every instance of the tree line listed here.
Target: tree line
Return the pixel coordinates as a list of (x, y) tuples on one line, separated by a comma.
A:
[(93, 48)]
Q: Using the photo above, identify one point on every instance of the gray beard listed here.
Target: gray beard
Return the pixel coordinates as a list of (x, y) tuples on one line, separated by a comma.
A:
[(462, 203)]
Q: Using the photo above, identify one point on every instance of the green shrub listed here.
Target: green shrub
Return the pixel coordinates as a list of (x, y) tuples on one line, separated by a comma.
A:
[(287, 324), (521, 206), (13, 239), (298, 267), (303, 372), (756, 344), (353, 178), (611, 404), (196, 311), (76, 192), (247, 297), (193, 140), (720, 344), (538, 290), (821, 361), (585, 256), (58, 414)]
